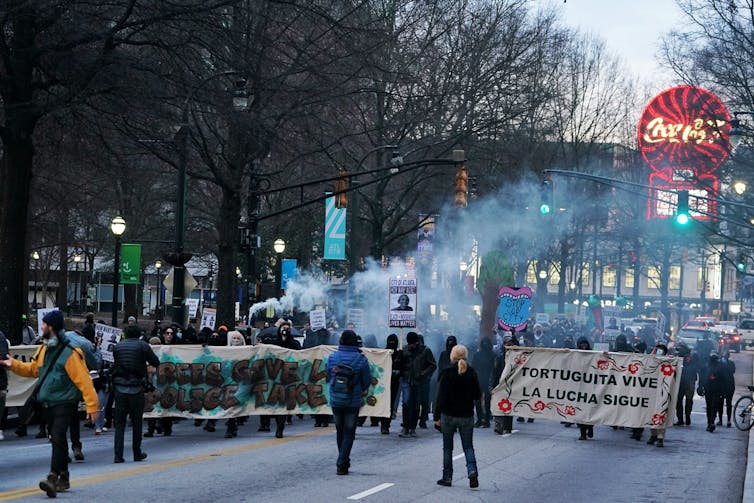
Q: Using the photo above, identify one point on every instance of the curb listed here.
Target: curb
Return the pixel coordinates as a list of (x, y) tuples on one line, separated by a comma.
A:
[(748, 495)]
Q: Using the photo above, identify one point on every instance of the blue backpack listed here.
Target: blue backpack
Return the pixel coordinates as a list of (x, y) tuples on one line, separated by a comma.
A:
[(92, 357), (342, 384)]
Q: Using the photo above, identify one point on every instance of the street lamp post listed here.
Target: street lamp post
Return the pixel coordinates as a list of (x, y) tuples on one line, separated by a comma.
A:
[(35, 257), (77, 290), (158, 306), (279, 247), (118, 227)]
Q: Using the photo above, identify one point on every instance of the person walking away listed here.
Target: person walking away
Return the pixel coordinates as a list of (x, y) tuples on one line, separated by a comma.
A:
[(657, 435), (349, 376), (482, 363), (454, 411), (417, 366), (63, 377), (4, 349), (585, 430), (729, 388), (428, 367), (711, 387), (131, 358), (691, 368), (395, 381)]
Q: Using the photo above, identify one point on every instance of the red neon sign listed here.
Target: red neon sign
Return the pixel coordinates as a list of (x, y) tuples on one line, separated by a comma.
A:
[(684, 128)]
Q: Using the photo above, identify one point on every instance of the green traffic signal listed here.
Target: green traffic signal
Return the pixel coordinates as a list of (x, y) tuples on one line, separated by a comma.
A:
[(682, 212), (545, 197), (544, 208)]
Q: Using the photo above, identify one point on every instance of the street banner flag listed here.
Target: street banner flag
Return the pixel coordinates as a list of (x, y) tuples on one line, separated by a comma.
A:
[(288, 269), (588, 387), (335, 231), (130, 264)]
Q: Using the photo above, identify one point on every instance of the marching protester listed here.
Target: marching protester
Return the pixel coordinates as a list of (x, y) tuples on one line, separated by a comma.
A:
[(284, 339), (691, 369), (585, 430), (235, 338), (349, 376), (425, 377), (454, 411), (729, 387), (503, 424), (63, 379), (418, 366), (443, 361), (711, 387), (483, 362), (131, 358), (395, 381), (657, 435)]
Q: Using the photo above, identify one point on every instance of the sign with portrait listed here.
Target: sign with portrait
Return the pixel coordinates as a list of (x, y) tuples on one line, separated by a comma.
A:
[(402, 302), (105, 338)]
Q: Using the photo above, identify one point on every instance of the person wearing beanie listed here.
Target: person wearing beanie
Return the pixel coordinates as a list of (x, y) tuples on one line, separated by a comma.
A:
[(349, 376), (64, 378), (418, 366), (395, 381), (454, 411), (131, 357), (444, 361)]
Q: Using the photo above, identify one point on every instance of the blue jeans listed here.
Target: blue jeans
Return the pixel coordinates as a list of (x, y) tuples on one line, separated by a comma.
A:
[(345, 425), (102, 396), (410, 399), (465, 427)]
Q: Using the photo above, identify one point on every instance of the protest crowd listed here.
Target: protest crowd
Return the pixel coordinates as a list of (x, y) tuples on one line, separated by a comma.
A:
[(446, 379)]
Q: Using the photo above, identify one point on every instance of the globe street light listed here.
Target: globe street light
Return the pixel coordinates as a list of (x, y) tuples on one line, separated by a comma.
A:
[(157, 307), (279, 247), (77, 261), (118, 227), (739, 187), (35, 257)]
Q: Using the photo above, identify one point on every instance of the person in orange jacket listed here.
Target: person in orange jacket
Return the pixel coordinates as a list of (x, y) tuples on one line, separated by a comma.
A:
[(59, 392)]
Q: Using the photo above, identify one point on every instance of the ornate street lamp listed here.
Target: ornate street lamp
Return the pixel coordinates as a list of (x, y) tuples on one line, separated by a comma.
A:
[(118, 227), (158, 307)]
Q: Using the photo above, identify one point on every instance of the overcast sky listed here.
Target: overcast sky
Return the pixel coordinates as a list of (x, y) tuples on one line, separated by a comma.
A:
[(631, 28)]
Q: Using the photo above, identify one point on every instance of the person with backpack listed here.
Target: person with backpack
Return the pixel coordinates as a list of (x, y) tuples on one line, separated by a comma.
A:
[(93, 359), (349, 376)]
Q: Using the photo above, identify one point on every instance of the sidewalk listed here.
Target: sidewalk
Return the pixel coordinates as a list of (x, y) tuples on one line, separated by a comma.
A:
[(749, 475)]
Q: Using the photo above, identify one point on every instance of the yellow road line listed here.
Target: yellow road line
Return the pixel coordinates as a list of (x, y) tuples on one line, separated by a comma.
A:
[(144, 468)]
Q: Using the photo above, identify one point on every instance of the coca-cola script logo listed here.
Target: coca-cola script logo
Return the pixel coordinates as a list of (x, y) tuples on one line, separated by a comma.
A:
[(684, 127)]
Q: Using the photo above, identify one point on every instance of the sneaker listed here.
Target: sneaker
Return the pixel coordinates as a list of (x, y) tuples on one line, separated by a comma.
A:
[(660, 442), (473, 481), (77, 454), (342, 470), (140, 457), (384, 431), (98, 431), (404, 433), (2, 437), (411, 433), (104, 428), (520, 419), (444, 482)]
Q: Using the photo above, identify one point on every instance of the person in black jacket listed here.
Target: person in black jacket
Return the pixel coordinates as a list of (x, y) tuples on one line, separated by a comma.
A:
[(712, 386), (729, 387), (454, 410), (418, 366), (284, 340), (395, 381), (444, 361), (585, 430), (483, 362), (687, 386), (131, 358)]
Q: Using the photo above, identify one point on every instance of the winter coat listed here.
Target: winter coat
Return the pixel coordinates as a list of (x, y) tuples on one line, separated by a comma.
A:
[(131, 358), (729, 370), (484, 362), (691, 369), (713, 381), (351, 356), (68, 379), (418, 365), (457, 392)]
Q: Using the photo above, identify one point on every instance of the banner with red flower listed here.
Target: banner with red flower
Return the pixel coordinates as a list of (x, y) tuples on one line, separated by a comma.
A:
[(588, 387)]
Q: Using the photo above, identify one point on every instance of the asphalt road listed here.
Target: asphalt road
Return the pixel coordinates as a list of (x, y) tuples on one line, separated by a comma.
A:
[(540, 461)]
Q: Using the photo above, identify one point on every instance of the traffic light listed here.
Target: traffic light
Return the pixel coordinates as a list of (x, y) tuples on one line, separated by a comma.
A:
[(461, 187), (741, 263), (545, 197), (341, 184), (682, 212)]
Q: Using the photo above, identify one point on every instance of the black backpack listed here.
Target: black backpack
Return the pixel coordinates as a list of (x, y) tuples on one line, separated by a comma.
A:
[(342, 384)]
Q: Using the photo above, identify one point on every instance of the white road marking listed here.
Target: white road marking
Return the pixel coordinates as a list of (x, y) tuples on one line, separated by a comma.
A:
[(509, 434), (371, 491), (459, 456)]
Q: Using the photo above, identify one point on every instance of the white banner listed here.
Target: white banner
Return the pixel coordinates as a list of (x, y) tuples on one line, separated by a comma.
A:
[(588, 387), (193, 307), (105, 338), (20, 388), (209, 316)]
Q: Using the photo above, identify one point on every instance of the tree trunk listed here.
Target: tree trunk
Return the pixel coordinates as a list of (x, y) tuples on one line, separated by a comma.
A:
[(230, 213)]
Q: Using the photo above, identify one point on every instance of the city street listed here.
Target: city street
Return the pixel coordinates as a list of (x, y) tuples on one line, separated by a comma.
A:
[(540, 461)]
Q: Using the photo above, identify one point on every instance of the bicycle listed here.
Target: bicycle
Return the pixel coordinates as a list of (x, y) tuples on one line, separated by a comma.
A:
[(742, 412)]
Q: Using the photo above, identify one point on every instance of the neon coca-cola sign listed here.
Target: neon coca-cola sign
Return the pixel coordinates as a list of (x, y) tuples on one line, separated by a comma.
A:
[(684, 128)]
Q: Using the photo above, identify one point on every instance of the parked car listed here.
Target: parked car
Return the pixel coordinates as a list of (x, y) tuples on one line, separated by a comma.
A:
[(746, 329), (728, 336)]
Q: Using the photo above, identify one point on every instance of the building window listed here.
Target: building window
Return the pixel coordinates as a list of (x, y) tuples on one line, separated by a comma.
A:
[(653, 277), (629, 282), (608, 276), (674, 281), (554, 273), (531, 273)]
